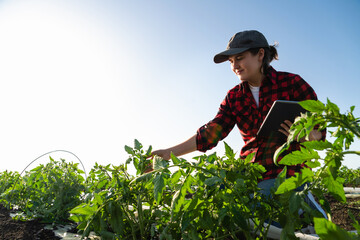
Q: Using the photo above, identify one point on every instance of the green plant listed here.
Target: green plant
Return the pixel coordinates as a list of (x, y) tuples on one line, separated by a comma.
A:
[(343, 128), (7, 181), (211, 197), (46, 192), (114, 208), (351, 176)]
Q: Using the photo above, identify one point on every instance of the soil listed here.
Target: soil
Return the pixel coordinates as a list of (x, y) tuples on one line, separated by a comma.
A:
[(34, 230), (340, 212), (16, 230)]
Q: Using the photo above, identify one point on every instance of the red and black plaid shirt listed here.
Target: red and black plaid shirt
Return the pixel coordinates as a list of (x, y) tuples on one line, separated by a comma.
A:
[(239, 108)]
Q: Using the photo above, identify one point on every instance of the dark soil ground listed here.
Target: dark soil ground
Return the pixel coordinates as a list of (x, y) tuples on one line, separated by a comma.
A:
[(34, 230), (16, 230), (340, 215)]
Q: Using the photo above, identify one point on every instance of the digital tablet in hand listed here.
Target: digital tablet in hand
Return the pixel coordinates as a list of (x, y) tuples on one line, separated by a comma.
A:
[(280, 111)]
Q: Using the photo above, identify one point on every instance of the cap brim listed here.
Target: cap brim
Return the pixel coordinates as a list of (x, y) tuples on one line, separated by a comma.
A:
[(224, 56)]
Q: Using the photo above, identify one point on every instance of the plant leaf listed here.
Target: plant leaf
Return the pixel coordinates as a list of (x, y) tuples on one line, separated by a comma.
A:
[(212, 181), (313, 106), (330, 231), (335, 188), (137, 144), (228, 151), (129, 150), (159, 163), (159, 186), (174, 159), (298, 157), (175, 177), (295, 181)]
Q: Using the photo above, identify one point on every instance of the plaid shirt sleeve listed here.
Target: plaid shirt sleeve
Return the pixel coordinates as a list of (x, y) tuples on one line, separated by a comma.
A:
[(217, 129)]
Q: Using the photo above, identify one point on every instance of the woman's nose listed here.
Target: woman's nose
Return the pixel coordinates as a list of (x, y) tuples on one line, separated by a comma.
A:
[(234, 65)]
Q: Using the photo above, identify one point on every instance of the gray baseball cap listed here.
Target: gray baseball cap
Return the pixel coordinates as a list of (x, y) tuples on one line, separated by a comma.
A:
[(241, 42)]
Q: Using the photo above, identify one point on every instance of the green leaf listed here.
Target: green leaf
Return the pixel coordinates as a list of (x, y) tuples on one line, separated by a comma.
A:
[(313, 164), (212, 181), (278, 152), (249, 158), (159, 186), (148, 152), (281, 177), (287, 232), (98, 199), (159, 163), (206, 220), (296, 181), (77, 219), (138, 145), (295, 202), (335, 188), (116, 219), (176, 176), (174, 159), (330, 231), (228, 151), (333, 107), (313, 106), (179, 196), (106, 235), (129, 150), (145, 177), (84, 209), (239, 219), (298, 157), (177, 201)]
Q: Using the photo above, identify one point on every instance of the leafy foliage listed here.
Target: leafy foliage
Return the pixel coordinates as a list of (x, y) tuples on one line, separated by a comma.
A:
[(328, 178), (210, 197), (351, 176), (47, 192)]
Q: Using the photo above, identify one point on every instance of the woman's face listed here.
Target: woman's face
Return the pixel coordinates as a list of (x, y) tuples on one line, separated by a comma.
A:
[(248, 66)]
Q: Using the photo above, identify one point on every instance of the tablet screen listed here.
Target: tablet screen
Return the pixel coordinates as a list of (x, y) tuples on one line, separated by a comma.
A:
[(280, 111)]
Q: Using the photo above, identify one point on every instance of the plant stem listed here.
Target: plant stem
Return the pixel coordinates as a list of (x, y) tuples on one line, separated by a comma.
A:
[(140, 216), (130, 220), (351, 152), (341, 122)]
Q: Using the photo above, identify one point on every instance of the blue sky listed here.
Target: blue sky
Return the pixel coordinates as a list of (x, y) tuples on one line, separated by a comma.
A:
[(91, 76)]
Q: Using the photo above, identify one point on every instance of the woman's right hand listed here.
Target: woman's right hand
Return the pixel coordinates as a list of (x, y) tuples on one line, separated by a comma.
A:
[(163, 153)]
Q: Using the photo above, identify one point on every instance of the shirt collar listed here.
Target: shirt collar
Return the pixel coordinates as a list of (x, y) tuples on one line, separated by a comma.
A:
[(271, 74)]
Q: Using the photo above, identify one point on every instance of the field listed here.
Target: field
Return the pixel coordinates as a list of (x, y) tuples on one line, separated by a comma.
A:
[(209, 197), (32, 230)]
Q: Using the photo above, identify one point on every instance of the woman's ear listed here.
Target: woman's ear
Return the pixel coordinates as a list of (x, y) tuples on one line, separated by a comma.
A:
[(261, 54)]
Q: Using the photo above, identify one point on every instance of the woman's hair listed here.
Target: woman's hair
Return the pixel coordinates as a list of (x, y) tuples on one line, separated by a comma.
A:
[(270, 54)]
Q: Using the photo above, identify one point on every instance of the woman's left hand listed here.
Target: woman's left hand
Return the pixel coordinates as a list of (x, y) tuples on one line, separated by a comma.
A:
[(285, 127), (314, 135)]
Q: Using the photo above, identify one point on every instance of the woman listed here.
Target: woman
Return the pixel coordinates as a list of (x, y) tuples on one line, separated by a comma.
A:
[(247, 104)]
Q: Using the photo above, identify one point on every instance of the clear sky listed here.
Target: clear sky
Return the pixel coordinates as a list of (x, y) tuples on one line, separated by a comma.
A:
[(91, 76)]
